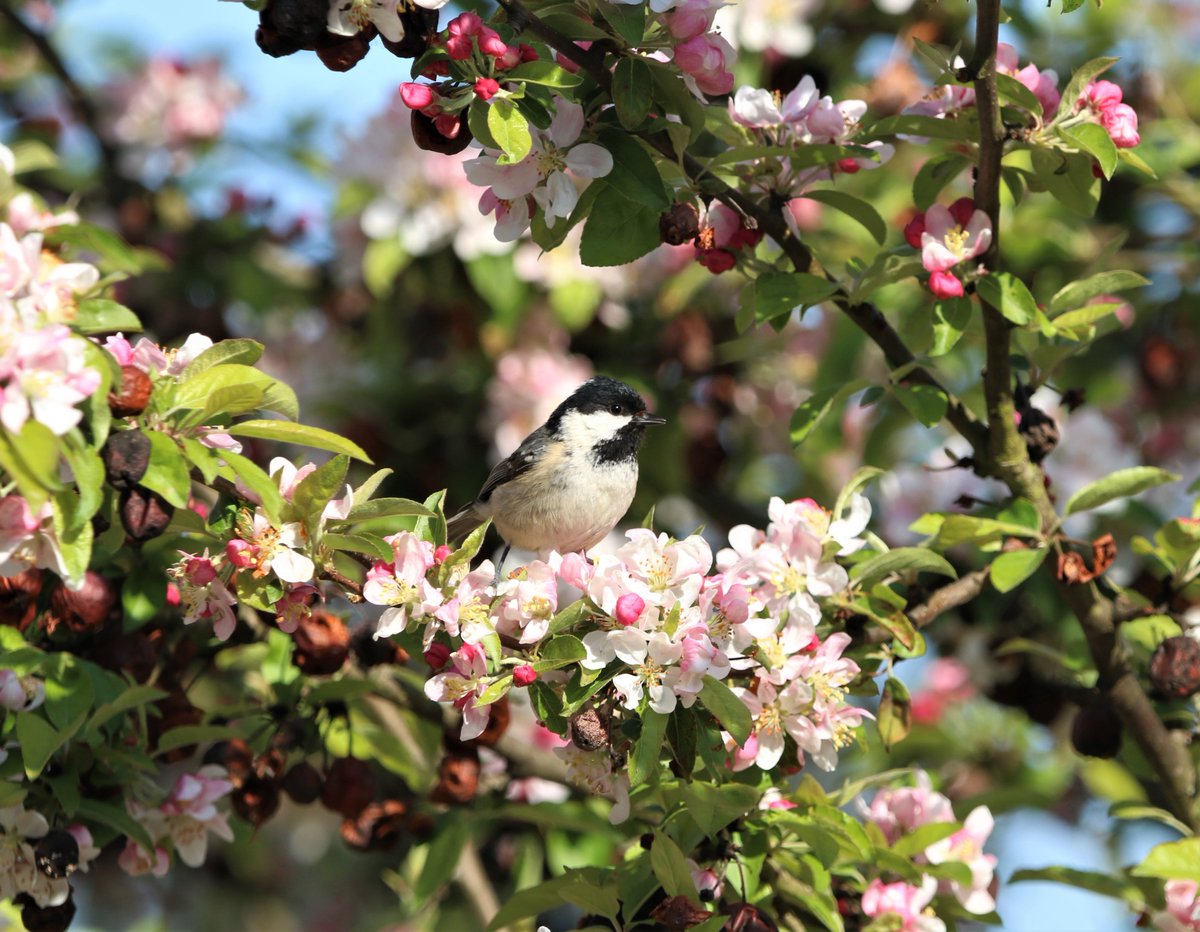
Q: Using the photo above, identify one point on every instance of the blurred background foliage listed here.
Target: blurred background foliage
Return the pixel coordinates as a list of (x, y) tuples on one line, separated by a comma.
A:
[(402, 325)]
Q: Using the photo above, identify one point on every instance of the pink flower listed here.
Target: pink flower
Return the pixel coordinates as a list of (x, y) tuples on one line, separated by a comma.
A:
[(524, 675), (191, 813), (914, 230), (899, 810), (966, 847), (417, 96), (468, 612), (136, 860), (486, 88), (691, 18), (905, 902), (629, 608), (1121, 123), (17, 526), (948, 681), (45, 376), (1099, 96), (491, 44), (1182, 913), (951, 237), (462, 686), (295, 606), (401, 585), (945, 285), (528, 602), (706, 59), (203, 595)]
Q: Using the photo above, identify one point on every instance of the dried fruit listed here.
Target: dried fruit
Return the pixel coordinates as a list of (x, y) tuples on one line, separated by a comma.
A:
[(132, 395), (45, 918), (458, 778), (57, 854), (676, 913), (349, 786), (429, 137), (377, 828), (144, 514), (341, 53), (589, 731), (256, 800), (19, 597), (1096, 731), (1175, 667), (321, 644), (303, 783), (84, 609), (678, 224), (746, 918), (420, 25), (371, 651), (235, 756), (1040, 433), (126, 456)]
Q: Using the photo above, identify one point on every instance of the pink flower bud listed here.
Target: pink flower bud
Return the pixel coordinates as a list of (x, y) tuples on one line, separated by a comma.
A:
[(849, 166), (417, 96), (490, 43), (962, 211), (510, 59), (690, 19), (449, 125), (1121, 123), (528, 52), (200, 571), (945, 285), (239, 553), (1099, 95), (914, 230), (459, 48), (199, 507), (437, 656), (524, 675), (486, 88), (173, 597), (629, 608), (440, 555), (465, 24)]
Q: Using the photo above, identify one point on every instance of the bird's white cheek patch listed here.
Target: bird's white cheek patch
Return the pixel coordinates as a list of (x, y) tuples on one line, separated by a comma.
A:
[(584, 431)]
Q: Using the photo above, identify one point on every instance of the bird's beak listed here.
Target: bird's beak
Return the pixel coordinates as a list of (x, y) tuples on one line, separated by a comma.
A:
[(646, 419)]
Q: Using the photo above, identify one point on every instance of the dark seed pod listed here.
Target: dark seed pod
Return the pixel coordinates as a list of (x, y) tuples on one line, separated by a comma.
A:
[(19, 598), (1096, 731), (341, 53), (589, 730), (57, 854), (126, 456), (458, 778), (132, 395), (746, 918), (144, 514), (301, 21), (677, 913), (349, 786), (377, 828), (1040, 433), (235, 756), (256, 800), (84, 609), (45, 918), (420, 825), (679, 224), (1175, 667), (303, 783), (321, 644), (427, 136)]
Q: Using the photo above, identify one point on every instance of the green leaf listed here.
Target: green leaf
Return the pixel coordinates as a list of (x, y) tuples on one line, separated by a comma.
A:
[(369, 544), (299, 434), (1017, 93), (383, 261), (1172, 860), (670, 867), (1068, 177), (561, 651), (814, 408), (934, 175), (862, 477), (727, 708), (894, 716), (1009, 295), (88, 470), (855, 208), (901, 560), (167, 473), (69, 694), (316, 490), (114, 254), (968, 529), (634, 174), (1104, 884), (1011, 569), (1083, 76), (632, 91), (386, 508), (1077, 294), (545, 73), (100, 315), (530, 902), (643, 763), (477, 120), (131, 698), (618, 230), (38, 740), (240, 351), (442, 858), (778, 294), (32, 155), (1120, 484), (714, 807), (509, 129), (1094, 140), (926, 403), (911, 124), (183, 735), (570, 616), (629, 20), (1136, 810), (920, 838), (1079, 324), (950, 318), (74, 542), (256, 479)]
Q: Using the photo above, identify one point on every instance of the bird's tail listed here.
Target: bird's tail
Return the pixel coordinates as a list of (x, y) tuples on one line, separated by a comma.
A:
[(462, 524)]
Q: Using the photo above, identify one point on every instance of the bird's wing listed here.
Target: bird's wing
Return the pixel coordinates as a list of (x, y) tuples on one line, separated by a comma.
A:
[(520, 461)]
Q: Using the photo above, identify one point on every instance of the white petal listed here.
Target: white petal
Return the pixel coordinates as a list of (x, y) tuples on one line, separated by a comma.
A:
[(588, 160)]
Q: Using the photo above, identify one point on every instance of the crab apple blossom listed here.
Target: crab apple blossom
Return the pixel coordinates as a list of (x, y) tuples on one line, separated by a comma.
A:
[(401, 585), (462, 686), (945, 285), (350, 17), (1182, 912), (44, 376), (953, 235), (905, 905), (467, 612), (900, 810), (136, 861), (705, 61), (191, 812), (202, 593), (527, 602), (966, 846)]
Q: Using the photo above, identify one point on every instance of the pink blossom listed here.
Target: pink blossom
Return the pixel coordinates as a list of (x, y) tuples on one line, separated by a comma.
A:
[(295, 605), (899, 810), (1121, 123), (486, 88), (136, 860), (43, 375), (691, 18), (437, 655), (191, 812), (1182, 913), (629, 608), (401, 585), (20, 693), (203, 595), (777, 714), (948, 240), (17, 526), (907, 903), (1099, 96), (468, 611), (528, 602), (707, 60), (491, 44), (654, 672), (947, 682), (524, 675), (462, 686), (417, 96), (966, 846)]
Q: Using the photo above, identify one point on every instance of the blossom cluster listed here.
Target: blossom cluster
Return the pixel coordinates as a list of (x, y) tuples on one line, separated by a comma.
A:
[(181, 822), (705, 57), (1101, 103), (899, 812), (948, 99), (20, 871), (665, 617), (948, 237)]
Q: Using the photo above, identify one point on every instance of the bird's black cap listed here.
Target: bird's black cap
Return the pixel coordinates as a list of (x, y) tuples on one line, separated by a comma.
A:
[(599, 394)]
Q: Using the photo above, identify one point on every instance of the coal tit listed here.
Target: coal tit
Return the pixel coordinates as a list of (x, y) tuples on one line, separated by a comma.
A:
[(570, 481)]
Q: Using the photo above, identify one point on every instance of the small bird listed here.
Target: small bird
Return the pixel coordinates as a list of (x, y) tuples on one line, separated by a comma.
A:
[(570, 481)]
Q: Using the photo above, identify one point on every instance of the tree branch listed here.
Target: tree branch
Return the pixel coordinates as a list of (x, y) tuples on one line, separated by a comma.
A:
[(941, 600)]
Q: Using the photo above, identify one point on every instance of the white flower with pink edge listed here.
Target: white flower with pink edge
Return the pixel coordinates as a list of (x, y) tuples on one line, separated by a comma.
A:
[(462, 686)]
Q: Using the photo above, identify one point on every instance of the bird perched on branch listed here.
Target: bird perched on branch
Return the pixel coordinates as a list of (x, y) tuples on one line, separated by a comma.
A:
[(570, 481)]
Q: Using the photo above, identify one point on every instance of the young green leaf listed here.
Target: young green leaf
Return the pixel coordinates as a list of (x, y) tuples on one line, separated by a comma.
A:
[(632, 91), (509, 129), (100, 315), (299, 434), (901, 560), (727, 708), (1009, 295), (1078, 293), (643, 763), (670, 867), (1011, 569), (1119, 484), (618, 230), (894, 717), (855, 208)]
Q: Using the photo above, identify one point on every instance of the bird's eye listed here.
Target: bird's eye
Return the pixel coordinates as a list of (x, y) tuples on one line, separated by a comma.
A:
[(615, 409)]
